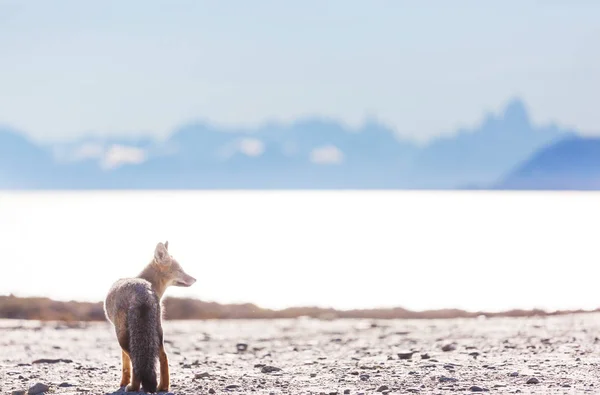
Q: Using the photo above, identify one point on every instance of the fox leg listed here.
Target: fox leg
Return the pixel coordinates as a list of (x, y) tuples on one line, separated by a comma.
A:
[(164, 370), (135, 384), (126, 377)]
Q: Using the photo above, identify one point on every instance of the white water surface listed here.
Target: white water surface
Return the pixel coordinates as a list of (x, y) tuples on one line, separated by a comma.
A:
[(344, 249)]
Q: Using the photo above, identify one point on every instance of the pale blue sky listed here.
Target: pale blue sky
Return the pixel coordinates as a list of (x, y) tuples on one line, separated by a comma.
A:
[(424, 67)]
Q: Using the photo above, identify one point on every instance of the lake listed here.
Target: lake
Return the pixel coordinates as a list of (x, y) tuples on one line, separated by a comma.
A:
[(345, 249)]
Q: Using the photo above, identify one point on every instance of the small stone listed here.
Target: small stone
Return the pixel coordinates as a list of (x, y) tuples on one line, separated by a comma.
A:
[(346, 392), (20, 392), (382, 388), (38, 389), (364, 377), (405, 355), (232, 387), (270, 369), (425, 356), (203, 375), (476, 388), (449, 347), (211, 391), (445, 379), (241, 347), (514, 374), (533, 380), (66, 385), (51, 361)]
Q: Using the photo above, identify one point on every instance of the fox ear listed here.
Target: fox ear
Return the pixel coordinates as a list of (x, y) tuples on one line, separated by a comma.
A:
[(161, 253), (167, 245)]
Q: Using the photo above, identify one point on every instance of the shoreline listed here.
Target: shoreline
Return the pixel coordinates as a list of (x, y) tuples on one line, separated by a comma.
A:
[(181, 309)]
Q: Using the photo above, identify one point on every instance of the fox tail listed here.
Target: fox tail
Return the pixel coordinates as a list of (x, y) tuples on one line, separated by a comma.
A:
[(143, 345)]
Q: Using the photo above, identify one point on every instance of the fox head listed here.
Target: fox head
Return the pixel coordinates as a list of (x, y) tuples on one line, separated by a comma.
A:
[(170, 270)]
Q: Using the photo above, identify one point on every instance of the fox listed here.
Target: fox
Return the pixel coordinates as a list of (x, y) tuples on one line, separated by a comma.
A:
[(134, 308)]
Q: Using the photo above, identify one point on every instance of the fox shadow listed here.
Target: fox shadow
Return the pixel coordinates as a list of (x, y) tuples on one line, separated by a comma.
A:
[(121, 391)]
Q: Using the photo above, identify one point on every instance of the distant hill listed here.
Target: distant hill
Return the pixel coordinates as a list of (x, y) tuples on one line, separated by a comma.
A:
[(570, 164), (45, 309), (311, 153), (482, 155)]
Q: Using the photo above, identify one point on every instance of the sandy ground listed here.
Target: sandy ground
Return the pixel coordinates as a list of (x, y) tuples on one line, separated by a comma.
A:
[(532, 355)]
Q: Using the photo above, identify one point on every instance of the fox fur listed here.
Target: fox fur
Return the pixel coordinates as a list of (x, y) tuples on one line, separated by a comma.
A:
[(133, 306)]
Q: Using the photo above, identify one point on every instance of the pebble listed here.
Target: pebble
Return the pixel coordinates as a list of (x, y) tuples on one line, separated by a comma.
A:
[(203, 375), (241, 347), (51, 361), (477, 388), (445, 379), (533, 380), (270, 369), (38, 389), (449, 347), (19, 392), (405, 355), (383, 388)]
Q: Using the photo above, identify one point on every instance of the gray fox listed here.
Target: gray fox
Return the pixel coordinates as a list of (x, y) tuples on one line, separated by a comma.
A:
[(133, 306)]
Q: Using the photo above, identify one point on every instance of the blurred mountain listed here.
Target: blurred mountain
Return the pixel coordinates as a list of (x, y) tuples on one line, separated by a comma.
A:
[(310, 153), (570, 164), (482, 155)]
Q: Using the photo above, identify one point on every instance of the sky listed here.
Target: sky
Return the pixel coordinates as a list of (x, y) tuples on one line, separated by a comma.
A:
[(69, 68)]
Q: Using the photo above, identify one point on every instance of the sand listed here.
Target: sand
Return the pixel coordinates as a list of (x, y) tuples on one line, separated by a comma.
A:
[(557, 355)]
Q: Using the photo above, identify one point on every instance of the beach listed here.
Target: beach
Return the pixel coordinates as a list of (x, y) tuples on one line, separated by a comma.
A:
[(555, 354)]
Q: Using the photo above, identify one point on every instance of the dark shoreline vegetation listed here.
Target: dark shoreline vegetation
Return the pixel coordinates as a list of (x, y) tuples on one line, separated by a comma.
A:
[(45, 309)]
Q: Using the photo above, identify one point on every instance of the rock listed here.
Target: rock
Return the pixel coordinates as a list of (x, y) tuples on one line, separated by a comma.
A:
[(38, 389), (232, 387), (241, 347), (449, 347), (364, 377), (445, 379), (383, 388), (211, 391), (20, 392), (346, 392), (66, 385), (476, 388), (425, 356), (514, 374), (51, 361), (270, 369), (405, 355), (203, 375), (533, 380)]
